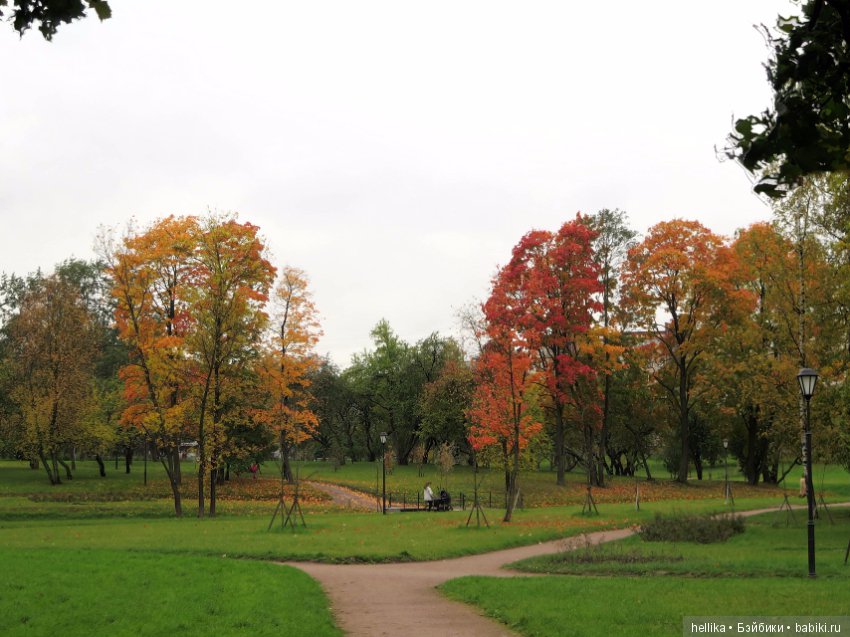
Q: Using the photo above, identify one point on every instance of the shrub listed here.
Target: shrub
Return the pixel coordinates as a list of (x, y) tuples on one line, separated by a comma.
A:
[(614, 552), (701, 528)]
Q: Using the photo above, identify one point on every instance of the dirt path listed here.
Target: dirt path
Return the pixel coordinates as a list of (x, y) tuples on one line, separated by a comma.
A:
[(401, 599), (344, 497)]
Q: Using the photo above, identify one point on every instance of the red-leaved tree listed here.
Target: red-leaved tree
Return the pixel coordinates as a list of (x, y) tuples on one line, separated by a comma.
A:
[(550, 288)]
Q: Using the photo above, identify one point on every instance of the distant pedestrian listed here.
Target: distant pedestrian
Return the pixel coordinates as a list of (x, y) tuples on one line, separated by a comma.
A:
[(429, 496), (254, 469)]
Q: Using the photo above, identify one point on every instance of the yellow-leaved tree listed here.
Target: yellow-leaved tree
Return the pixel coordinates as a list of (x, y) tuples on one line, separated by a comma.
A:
[(287, 362)]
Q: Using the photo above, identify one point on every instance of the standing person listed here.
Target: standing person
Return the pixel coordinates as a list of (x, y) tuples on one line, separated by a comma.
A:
[(429, 496)]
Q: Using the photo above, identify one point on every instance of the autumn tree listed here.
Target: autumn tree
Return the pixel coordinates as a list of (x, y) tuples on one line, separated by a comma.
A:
[(546, 293), (151, 279), (288, 364), (679, 286), (52, 358), (232, 279), (754, 361), (614, 238), (501, 415)]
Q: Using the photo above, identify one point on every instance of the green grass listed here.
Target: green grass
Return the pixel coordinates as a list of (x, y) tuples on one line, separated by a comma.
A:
[(75, 592), (651, 606), (767, 548), (73, 540), (760, 572)]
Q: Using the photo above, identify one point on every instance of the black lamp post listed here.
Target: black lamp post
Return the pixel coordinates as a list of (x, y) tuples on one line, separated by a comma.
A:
[(808, 378), (726, 470), (384, 468)]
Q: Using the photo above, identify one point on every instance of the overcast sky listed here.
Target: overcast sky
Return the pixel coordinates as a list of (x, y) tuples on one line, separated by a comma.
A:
[(395, 151)]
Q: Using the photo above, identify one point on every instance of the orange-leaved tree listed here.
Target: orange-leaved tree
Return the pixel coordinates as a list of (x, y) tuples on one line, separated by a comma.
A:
[(286, 366), (151, 277), (679, 286)]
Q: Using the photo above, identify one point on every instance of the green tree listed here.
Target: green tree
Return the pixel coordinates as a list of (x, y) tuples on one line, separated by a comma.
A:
[(808, 128), (50, 14), (614, 238)]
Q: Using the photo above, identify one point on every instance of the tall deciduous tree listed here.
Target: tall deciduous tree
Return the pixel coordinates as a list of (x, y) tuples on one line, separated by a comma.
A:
[(501, 413), (679, 286), (232, 282), (547, 294), (52, 357), (152, 277), (614, 238), (755, 361), (287, 366)]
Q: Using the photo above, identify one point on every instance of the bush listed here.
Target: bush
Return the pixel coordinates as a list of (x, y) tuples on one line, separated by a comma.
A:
[(701, 528)]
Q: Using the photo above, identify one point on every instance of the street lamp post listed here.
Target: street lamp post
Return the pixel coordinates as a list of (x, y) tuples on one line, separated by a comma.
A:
[(384, 468), (808, 378), (726, 470)]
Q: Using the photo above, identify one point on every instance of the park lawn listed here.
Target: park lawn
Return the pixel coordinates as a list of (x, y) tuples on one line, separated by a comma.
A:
[(241, 494), (745, 554), (329, 536), (563, 606), (760, 572), (97, 592), (18, 480)]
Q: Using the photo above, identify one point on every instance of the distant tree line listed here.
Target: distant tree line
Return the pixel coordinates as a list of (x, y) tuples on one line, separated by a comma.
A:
[(594, 349)]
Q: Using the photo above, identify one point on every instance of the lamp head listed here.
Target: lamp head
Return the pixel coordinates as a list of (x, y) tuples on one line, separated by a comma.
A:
[(807, 378)]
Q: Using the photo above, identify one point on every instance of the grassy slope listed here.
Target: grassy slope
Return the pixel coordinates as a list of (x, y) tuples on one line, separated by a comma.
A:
[(651, 606), (72, 592)]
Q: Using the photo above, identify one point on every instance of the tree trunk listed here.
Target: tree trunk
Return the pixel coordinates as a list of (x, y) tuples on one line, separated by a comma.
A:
[(513, 489), (55, 464), (128, 458), (560, 480), (50, 477), (646, 466), (178, 471), (73, 458), (284, 458), (166, 458), (603, 435), (101, 467), (213, 480), (684, 429), (68, 474)]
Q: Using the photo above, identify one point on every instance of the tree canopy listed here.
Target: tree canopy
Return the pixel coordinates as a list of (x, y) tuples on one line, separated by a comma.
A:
[(50, 14), (807, 130)]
